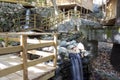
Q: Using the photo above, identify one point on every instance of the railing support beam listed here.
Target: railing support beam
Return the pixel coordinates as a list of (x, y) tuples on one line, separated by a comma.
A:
[(24, 56)]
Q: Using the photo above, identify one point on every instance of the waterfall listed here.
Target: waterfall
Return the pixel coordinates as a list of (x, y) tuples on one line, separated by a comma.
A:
[(76, 69), (27, 18)]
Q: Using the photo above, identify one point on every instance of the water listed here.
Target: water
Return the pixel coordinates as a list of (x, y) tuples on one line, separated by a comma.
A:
[(76, 69), (27, 23)]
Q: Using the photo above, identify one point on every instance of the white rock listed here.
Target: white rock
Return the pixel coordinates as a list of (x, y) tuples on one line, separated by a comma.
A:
[(48, 48), (80, 46)]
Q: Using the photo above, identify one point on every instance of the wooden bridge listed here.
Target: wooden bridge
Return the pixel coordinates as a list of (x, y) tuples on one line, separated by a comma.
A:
[(13, 67), (38, 23)]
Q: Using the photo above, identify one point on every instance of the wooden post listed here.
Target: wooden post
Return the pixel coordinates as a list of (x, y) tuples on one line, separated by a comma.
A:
[(24, 56), (35, 20), (117, 12), (55, 50), (84, 11), (79, 14), (81, 10), (63, 14), (75, 11), (87, 11), (6, 40), (81, 6), (68, 14), (52, 21), (71, 13), (46, 24), (19, 23)]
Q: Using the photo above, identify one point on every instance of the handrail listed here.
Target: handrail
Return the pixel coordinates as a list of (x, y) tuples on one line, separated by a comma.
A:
[(46, 23), (51, 21), (34, 20), (23, 48)]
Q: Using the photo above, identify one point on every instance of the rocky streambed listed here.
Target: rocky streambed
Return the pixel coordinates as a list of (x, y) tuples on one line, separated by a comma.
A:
[(101, 66)]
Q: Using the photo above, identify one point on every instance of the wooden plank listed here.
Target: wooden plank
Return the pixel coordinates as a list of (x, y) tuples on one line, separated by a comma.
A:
[(36, 41), (6, 40), (24, 48), (10, 70), (29, 40), (4, 78), (34, 46), (46, 77), (11, 39), (30, 29), (24, 56), (41, 53), (37, 71), (14, 39), (25, 33), (37, 61), (9, 60), (40, 70), (10, 49), (55, 50), (14, 76)]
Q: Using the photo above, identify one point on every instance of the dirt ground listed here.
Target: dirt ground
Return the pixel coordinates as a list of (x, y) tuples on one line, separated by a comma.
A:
[(101, 66)]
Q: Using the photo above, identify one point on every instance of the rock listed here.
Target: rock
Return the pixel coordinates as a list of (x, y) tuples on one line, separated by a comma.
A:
[(63, 43), (62, 50), (62, 28), (8, 12), (43, 12), (72, 42), (62, 53), (14, 43), (80, 46), (32, 56), (73, 22), (50, 49), (117, 38), (71, 46), (1, 45)]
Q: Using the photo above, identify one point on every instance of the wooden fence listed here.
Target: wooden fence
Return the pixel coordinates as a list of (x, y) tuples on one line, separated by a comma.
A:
[(45, 23), (24, 47)]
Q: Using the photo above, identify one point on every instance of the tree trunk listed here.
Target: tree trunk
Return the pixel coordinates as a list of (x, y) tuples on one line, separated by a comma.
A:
[(118, 13)]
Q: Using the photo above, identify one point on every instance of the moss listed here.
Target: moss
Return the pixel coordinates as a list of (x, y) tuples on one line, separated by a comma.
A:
[(1, 39)]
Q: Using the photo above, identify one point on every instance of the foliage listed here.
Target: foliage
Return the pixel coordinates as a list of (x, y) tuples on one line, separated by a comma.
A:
[(1, 39)]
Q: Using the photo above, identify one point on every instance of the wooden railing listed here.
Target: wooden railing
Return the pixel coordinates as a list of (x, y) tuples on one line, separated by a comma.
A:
[(24, 47), (34, 23), (52, 21), (45, 23)]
